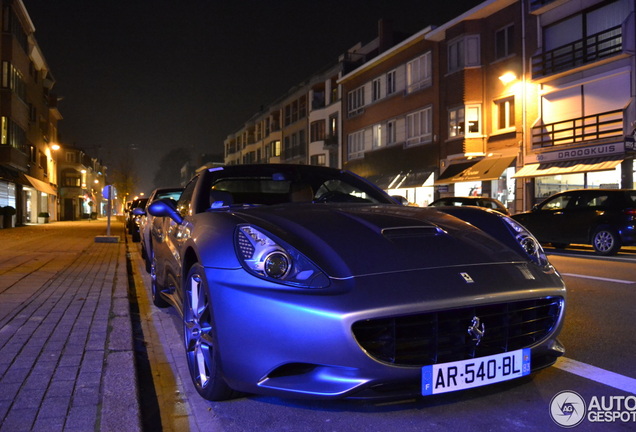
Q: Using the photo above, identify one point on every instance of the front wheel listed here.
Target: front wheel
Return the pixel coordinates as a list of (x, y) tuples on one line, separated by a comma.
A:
[(199, 338), (606, 241)]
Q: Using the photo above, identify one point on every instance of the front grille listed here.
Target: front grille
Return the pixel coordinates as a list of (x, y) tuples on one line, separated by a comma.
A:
[(442, 336)]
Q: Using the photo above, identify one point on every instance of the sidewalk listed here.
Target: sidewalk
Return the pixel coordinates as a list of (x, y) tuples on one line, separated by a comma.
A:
[(66, 349)]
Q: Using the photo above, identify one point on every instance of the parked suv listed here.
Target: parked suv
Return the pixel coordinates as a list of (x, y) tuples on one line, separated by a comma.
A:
[(604, 218)]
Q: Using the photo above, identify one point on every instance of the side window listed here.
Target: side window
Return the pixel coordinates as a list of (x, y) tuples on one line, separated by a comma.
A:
[(557, 203), (596, 201), (184, 206)]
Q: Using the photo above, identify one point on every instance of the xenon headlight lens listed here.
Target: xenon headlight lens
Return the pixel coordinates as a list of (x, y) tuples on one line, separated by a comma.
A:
[(528, 243), (272, 259)]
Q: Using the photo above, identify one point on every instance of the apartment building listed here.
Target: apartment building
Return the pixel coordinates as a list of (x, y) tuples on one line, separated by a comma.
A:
[(584, 69), (82, 179), (513, 99), (390, 128), (259, 140), (481, 105), (28, 120), (301, 127)]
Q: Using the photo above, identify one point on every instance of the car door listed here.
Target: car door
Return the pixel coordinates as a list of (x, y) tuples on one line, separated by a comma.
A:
[(170, 236), (548, 221), (588, 207)]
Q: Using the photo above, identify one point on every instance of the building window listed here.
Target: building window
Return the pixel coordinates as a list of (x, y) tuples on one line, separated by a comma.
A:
[(377, 90), (70, 157), (418, 73), (505, 113), (355, 145), (464, 121), (391, 133), (390, 82), (319, 159), (13, 135), (463, 52), (333, 125), (419, 127), (355, 101), (302, 107), (317, 130), (14, 80), (378, 139), (504, 42), (273, 149)]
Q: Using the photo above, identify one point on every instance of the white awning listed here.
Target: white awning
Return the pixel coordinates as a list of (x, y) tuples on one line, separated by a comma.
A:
[(40, 185), (569, 167)]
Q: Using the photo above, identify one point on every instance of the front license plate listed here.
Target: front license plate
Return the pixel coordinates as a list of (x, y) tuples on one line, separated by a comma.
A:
[(465, 374)]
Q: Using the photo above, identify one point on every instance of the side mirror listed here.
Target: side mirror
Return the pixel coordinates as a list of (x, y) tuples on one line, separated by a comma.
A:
[(138, 211), (535, 207), (165, 207)]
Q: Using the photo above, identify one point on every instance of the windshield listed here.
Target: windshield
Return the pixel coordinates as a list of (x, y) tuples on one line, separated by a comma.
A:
[(278, 184)]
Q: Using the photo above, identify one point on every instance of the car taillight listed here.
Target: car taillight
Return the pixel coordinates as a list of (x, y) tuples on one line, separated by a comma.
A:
[(630, 212)]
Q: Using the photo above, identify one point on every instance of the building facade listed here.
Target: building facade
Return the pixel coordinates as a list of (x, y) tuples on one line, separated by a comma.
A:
[(514, 99), (28, 120), (584, 69)]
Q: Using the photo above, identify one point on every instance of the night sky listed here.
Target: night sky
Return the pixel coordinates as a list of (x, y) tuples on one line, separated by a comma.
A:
[(141, 77)]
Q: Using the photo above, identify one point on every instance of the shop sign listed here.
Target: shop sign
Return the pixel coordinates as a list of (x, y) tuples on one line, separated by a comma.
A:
[(577, 153)]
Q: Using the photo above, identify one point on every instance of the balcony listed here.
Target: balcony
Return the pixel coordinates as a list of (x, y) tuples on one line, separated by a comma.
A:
[(592, 49), (596, 127)]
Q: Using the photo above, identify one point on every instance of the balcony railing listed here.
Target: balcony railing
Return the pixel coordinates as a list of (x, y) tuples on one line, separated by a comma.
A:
[(589, 128), (591, 49)]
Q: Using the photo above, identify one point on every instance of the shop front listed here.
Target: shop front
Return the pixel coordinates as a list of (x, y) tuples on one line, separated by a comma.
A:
[(490, 177), (601, 166)]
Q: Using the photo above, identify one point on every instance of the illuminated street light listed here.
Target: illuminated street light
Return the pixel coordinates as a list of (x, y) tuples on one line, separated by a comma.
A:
[(508, 77)]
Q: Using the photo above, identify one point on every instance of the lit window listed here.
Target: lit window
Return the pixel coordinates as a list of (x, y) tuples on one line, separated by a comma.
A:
[(377, 136), (505, 113)]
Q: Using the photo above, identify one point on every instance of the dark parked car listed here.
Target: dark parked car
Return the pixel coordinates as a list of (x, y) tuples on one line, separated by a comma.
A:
[(137, 210), (147, 221), (604, 218), (309, 281), (490, 203)]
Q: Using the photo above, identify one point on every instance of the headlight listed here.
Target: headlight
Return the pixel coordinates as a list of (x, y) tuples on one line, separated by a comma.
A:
[(275, 260), (528, 243)]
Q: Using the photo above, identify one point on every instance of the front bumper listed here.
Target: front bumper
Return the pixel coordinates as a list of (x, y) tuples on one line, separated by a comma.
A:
[(299, 342)]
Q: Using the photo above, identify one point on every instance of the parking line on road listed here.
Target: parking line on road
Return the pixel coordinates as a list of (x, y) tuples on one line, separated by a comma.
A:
[(621, 281), (599, 375)]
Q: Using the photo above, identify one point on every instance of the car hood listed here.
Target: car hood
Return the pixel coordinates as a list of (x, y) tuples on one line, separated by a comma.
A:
[(356, 240)]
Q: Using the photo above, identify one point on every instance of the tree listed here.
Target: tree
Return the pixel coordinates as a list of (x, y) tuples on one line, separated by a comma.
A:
[(124, 177), (169, 172)]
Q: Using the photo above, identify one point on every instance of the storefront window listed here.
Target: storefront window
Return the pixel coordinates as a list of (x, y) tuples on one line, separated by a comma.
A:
[(549, 185)]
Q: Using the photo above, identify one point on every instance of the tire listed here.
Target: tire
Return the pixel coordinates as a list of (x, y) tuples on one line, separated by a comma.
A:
[(155, 286), (199, 338), (606, 241)]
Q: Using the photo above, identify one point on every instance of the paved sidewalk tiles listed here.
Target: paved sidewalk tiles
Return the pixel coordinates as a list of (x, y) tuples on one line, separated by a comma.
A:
[(66, 354)]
